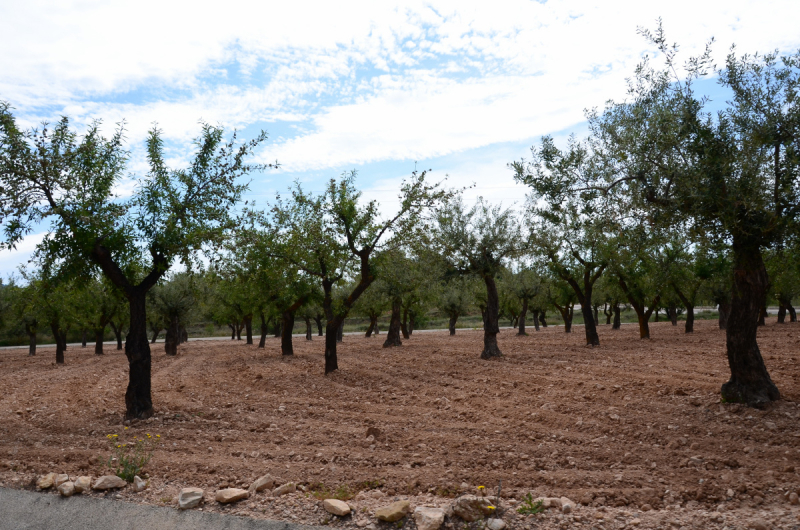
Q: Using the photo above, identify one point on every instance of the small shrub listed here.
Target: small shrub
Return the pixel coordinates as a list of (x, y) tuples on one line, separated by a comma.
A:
[(128, 459), (530, 506)]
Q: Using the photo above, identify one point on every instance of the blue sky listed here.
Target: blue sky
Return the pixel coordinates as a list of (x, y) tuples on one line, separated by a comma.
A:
[(458, 88)]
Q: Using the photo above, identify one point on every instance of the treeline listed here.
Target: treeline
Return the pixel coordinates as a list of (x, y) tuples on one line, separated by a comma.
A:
[(664, 204)]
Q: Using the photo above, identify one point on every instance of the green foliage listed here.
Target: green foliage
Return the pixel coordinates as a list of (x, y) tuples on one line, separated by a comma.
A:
[(529, 506), (128, 459)]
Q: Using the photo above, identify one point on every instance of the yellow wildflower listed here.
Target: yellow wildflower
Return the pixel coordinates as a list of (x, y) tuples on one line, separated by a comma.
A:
[(126, 428), (480, 487), (491, 508)]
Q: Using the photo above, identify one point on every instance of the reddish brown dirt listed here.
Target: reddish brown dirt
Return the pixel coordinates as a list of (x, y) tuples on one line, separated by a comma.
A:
[(622, 425)]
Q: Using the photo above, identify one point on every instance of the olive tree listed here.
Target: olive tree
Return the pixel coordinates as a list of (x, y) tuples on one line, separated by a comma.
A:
[(69, 180)]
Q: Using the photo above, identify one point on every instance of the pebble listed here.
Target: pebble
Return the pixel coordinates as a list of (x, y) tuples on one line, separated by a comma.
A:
[(107, 482), (472, 508), (229, 495), (262, 483), (393, 512), (66, 489), (189, 498), (758, 524), (336, 507), (60, 479), (46, 482), (794, 499), (83, 484), (495, 524), (139, 484), (428, 518), (567, 506), (289, 487)]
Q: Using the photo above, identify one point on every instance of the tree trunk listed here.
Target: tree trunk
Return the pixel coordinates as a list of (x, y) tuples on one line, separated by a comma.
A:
[(782, 314), (83, 338), (411, 324), (331, 332), (184, 334), (138, 400), (642, 314), (156, 332), (308, 328), (750, 382), (724, 310), (31, 343), (340, 332), (239, 328), (542, 316), (118, 333), (452, 324), (248, 326), (373, 320), (673, 315), (617, 317), (608, 311), (491, 326), (596, 314), (57, 336), (792, 313), (172, 338), (393, 334), (318, 320), (689, 319), (99, 333), (522, 315), (233, 330), (287, 327), (276, 328), (656, 315), (264, 330), (403, 326), (535, 314), (762, 316)]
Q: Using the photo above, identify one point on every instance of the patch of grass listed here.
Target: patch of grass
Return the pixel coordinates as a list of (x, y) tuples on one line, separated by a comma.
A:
[(530, 506)]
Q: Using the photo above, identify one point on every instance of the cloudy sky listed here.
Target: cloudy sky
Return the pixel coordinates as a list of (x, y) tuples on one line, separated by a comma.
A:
[(378, 87)]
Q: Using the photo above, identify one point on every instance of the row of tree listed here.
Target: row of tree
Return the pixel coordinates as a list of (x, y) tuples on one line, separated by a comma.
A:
[(663, 202)]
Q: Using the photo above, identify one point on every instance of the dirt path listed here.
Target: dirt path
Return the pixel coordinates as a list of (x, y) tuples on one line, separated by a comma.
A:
[(625, 425)]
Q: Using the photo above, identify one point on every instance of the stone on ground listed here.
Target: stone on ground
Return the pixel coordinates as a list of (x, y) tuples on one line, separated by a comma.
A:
[(567, 506), (46, 482), (66, 489), (495, 524), (190, 498), (262, 483), (290, 487), (336, 507), (60, 479), (139, 484), (83, 484), (428, 518), (472, 508), (108, 482), (229, 495), (393, 512)]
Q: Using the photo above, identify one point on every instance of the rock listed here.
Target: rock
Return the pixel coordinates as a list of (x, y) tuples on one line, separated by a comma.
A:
[(472, 508), (66, 489), (190, 498), (715, 517), (108, 482), (139, 484), (289, 487), (567, 506), (794, 499), (60, 479), (758, 524), (336, 507), (393, 512), (636, 521), (495, 524), (262, 483), (46, 482), (646, 507), (83, 484), (428, 518), (229, 495)]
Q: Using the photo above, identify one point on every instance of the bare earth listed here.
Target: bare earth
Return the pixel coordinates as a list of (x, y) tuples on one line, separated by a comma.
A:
[(632, 430)]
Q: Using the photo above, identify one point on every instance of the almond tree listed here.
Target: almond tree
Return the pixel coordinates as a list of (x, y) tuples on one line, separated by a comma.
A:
[(479, 241), (56, 176)]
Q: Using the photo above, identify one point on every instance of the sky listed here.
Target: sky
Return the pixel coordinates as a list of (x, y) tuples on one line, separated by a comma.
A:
[(460, 88)]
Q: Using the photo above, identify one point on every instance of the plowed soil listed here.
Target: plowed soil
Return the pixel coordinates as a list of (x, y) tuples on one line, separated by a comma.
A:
[(628, 425)]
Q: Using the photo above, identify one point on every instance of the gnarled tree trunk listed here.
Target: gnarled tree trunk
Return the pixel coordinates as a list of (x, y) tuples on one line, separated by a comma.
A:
[(54, 328), (287, 327), (248, 326), (262, 343), (750, 382), (155, 335), (522, 314), (542, 318), (99, 333), (318, 320), (491, 326), (393, 334), (31, 343), (173, 337), (535, 314), (233, 330), (308, 328), (84, 335), (451, 325), (118, 333), (617, 317), (138, 400)]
